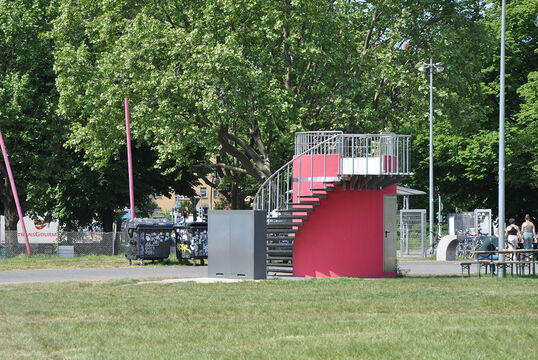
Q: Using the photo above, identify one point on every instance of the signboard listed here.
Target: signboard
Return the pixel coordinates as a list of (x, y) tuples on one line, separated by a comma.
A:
[(39, 231)]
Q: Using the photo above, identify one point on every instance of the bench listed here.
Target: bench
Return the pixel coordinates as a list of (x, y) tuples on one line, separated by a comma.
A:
[(486, 264), (520, 266), (466, 265)]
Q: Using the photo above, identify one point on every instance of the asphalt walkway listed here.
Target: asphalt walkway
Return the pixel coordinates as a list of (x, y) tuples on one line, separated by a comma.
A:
[(409, 268)]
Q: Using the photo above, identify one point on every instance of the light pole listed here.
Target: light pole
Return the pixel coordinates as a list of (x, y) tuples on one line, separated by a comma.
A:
[(438, 68), (501, 139)]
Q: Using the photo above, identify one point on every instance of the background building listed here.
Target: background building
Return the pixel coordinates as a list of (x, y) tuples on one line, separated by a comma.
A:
[(207, 199)]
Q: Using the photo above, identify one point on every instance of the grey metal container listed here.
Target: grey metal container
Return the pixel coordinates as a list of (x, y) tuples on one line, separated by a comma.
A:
[(237, 244)]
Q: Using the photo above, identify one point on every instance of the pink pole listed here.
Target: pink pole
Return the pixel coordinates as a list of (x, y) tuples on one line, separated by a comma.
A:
[(15, 195), (129, 157)]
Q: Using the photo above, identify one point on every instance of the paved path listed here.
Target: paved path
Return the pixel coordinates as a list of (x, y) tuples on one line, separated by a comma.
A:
[(410, 268), (133, 272), (432, 267)]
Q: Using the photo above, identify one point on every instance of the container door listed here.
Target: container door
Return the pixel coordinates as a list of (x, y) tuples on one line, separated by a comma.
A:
[(389, 233)]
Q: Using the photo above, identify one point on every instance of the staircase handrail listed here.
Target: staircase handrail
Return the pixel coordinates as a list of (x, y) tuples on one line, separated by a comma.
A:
[(286, 165)]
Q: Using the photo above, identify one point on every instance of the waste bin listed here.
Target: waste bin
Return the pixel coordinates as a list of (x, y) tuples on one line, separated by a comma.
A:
[(191, 241), (148, 239)]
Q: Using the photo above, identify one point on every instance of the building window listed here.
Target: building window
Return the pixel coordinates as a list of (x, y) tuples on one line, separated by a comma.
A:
[(203, 192), (215, 194), (156, 197)]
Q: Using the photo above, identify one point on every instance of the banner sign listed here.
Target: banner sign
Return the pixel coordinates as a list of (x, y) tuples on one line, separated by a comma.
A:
[(39, 231)]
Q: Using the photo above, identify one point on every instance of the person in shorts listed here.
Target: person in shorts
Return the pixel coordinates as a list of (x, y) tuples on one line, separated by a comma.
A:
[(512, 235)]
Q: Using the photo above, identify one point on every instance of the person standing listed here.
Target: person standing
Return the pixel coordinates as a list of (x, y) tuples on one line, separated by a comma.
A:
[(529, 232), (512, 234)]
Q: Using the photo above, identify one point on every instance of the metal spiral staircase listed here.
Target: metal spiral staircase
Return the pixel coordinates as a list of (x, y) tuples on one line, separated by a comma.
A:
[(322, 162)]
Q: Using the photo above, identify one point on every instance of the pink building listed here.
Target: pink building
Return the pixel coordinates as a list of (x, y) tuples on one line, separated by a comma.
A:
[(332, 208)]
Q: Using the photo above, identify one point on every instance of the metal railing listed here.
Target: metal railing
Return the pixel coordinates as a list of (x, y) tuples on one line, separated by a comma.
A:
[(384, 154), (306, 140), (330, 156)]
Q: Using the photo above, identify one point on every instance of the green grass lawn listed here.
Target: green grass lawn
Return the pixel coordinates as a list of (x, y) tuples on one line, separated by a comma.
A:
[(24, 262), (404, 318)]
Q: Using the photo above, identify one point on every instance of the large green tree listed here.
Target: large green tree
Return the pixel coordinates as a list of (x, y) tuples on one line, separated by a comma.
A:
[(53, 180), (233, 80), (467, 155), (236, 79), (27, 103)]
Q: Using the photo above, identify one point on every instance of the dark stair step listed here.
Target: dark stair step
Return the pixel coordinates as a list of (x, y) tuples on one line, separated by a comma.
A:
[(282, 231), (290, 217), (313, 202), (313, 196), (299, 210), (274, 272), (280, 252), (333, 182), (328, 188), (278, 242), (284, 265), (273, 225), (283, 258), (275, 237), (279, 249)]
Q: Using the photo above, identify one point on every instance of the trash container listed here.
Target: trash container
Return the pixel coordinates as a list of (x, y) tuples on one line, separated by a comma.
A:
[(191, 241), (148, 239)]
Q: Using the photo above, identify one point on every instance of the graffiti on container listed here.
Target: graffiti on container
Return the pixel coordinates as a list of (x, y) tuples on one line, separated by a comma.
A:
[(195, 240)]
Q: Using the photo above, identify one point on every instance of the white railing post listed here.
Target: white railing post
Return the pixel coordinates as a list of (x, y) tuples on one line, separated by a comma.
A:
[(352, 155), (367, 150), (288, 180), (311, 171), (278, 191), (299, 180), (380, 156)]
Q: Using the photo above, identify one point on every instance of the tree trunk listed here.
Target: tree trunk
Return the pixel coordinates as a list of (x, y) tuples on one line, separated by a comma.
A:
[(10, 209), (108, 220)]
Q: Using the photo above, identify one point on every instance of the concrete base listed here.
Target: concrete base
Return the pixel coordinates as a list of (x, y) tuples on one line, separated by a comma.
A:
[(446, 250)]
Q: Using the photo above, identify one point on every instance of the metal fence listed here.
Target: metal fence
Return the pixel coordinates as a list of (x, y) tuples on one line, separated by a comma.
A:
[(413, 232), (68, 244)]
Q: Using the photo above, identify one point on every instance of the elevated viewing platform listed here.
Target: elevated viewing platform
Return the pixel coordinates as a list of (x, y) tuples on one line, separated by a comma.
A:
[(358, 154), (369, 161), (347, 180)]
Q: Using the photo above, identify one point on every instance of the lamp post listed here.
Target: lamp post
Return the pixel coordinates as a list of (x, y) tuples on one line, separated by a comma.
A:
[(437, 68), (501, 139)]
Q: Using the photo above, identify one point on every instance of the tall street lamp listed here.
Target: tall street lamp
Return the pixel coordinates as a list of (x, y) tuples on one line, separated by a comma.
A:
[(437, 68), (501, 138)]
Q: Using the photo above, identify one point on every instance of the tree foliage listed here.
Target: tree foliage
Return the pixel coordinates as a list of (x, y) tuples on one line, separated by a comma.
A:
[(236, 79), (221, 86), (27, 103), (52, 179)]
